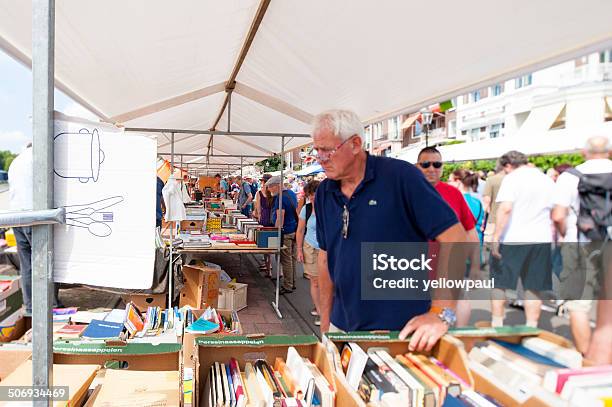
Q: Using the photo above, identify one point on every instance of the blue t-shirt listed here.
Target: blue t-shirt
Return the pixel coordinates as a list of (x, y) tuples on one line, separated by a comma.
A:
[(311, 228), (393, 203), (289, 206), (223, 185), (478, 211)]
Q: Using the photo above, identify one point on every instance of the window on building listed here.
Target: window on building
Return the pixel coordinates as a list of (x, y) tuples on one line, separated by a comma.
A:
[(483, 129), (581, 61), (452, 129), (559, 122), (474, 134), (466, 99), (605, 56), (476, 96), (368, 137), (497, 89), (608, 112), (495, 131), (377, 131), (522, 81), (484, 92), (464, 132), (394, 128)]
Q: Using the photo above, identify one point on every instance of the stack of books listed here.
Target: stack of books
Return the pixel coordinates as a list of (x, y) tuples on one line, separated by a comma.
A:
[(406, 379), (294, 381), (209, 321), (520, 369), (588, 386)]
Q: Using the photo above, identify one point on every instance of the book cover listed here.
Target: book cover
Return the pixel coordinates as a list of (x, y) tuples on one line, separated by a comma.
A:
[(70, 331), (99, 329)]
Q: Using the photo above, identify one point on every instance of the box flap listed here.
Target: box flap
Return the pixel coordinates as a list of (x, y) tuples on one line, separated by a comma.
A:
[(274, 340), (82, 348)]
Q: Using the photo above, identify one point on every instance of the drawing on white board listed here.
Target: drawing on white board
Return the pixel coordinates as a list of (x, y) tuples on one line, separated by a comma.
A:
[(94, 216), (86, 155)]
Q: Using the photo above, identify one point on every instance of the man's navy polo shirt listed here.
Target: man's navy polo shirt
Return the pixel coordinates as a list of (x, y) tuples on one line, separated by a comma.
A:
[(393, 203)]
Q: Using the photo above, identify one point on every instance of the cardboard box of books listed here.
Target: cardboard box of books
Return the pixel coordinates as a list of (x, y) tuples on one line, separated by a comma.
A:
[(524, 356), (130, 356), (378, 368), (201, 286), (143, 301), (266, 370), (230, 326), (196, 225)]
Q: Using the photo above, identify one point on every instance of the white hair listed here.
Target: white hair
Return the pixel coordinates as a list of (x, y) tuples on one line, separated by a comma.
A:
[(342, 123), (598, 145)]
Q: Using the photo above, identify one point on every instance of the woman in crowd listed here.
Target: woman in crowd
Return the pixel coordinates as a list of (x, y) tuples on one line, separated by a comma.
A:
[(262, 213), (467, 182), (307, 245)]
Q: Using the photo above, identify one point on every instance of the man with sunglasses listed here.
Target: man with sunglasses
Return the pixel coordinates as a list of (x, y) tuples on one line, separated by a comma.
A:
[(373, 199), (430, 163)]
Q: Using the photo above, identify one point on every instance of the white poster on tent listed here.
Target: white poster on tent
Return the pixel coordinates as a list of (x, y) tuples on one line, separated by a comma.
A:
[(106, 181)]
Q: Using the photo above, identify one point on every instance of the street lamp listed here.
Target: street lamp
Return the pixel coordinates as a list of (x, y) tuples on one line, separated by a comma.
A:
[(426, 116)]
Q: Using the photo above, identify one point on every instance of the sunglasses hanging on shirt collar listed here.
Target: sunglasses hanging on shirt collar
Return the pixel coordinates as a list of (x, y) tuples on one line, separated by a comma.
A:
[(345, 222)]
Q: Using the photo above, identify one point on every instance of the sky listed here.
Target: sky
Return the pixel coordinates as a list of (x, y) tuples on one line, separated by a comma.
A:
[(16, 104)]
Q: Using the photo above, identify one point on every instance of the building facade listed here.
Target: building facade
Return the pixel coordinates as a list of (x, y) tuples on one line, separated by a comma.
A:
[(572, 96)]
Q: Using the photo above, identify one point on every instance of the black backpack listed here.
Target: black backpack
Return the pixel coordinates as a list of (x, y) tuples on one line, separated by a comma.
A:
[(595, 215)]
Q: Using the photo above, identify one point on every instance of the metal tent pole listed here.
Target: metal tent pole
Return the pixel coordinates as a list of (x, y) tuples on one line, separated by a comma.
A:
[(43, 38), (170, 266), (280, 230)]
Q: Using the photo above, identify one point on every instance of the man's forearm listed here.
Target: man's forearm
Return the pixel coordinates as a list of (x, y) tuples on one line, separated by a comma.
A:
[(326, 291), (502, 221)]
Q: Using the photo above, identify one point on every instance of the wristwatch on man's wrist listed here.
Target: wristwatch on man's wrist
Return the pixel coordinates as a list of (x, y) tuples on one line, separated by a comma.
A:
[(446, 315)]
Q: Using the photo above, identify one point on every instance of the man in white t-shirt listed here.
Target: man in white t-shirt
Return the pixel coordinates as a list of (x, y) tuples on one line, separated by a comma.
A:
[(522, 238), (581, 268)]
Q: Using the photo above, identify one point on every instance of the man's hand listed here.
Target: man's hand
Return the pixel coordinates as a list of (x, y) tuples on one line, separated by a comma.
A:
[(300, 255), (426, 330)]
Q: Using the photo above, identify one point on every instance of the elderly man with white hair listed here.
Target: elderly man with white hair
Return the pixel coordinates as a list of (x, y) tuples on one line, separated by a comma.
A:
[(373, 199)]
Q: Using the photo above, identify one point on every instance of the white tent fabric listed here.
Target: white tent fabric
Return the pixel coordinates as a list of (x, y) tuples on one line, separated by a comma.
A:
[(148, 63)]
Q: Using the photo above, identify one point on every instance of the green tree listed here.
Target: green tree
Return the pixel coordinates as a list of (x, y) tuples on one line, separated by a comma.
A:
[(543, 162), (270, 164), (6, 158)]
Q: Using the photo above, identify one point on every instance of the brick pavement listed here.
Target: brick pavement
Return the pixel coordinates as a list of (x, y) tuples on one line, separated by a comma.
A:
[(259, 316)]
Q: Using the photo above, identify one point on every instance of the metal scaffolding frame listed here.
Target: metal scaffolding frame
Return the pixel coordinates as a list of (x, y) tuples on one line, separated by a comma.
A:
[(282, 136)]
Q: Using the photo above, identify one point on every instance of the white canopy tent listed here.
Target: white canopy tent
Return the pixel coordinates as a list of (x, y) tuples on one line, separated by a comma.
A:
[(167, 67), (150, 64)]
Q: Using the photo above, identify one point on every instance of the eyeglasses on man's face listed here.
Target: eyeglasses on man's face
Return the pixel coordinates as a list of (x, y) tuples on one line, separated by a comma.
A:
[(427, 164), (324, 154)]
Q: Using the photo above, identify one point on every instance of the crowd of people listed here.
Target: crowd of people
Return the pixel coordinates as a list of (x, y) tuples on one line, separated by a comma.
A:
[(518, 220), (544, 230)]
